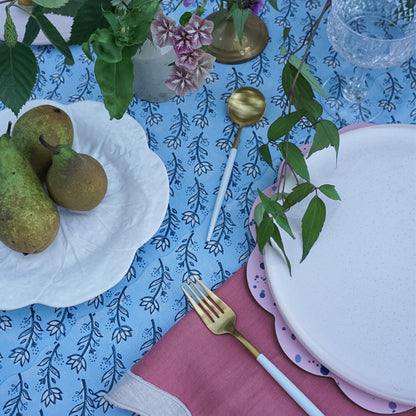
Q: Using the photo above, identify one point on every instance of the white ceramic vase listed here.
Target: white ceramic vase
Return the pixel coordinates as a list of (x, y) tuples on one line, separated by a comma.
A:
[(152, 66)]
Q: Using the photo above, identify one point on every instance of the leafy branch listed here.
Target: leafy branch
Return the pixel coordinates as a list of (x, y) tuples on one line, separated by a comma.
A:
[(301, 108), (18, 64)]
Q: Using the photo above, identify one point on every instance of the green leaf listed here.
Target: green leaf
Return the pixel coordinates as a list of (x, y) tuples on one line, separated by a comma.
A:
[(68, 9), (312, 111), (54, 37), (184, 19), (299, 192), (326, 134), (264, 231), (273, 3), (305, 71), (295, 158), (18, 71), (283, 50), (278, 240), (116, 84), (268, 230), (104, 44), (270, 206), (265, 154), (53, 4), (274, 208), (32, 30), (283, 223), (312, 223), (10, 33), (286, 32), (330, 192), (302, 91), (89, 17), (86, 48), (282, 126), (239, 16), (258, 213)]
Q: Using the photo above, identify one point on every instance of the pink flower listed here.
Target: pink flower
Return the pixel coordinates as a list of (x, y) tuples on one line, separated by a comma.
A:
[(189, 59), (187, 3), (163, 29), (183, 41), (203, 68), (181, 81), (200, 31)]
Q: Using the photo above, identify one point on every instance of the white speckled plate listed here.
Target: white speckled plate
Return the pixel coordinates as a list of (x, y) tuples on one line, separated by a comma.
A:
[(352, 302), (93, 250)]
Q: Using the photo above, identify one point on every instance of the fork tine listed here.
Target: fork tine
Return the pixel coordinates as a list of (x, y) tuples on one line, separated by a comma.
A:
[(218, 302), (202, 310), (216, 309)]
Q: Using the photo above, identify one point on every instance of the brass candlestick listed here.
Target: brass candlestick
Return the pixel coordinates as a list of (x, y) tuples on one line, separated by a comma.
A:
[(225, 45)]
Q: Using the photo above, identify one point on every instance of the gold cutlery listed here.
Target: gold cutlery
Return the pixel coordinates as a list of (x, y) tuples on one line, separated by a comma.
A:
[(220, 319)]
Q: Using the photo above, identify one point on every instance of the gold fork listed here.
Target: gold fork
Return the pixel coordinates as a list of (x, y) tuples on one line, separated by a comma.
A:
[(220, 319)]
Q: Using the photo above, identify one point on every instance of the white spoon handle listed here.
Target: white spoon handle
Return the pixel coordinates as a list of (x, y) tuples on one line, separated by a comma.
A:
[(223, 188), (289, 387)]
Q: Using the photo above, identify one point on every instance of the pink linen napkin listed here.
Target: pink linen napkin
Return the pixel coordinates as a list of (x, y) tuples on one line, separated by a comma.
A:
[(190, 371)]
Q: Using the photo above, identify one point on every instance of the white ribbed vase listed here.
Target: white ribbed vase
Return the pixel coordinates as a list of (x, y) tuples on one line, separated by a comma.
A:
[(152, 66)]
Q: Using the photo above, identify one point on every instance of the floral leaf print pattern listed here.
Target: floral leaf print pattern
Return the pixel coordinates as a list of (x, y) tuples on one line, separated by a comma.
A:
[(86, 405), (175, 173), (392, 92), (196, 202), (205, 106), (152, 117), (198, 153), (120, 313), (17, 403), (97, 301), (50, 375), (222, 230), (168, 227), (85, 88), (57, 80), (56, 327), (86, 344), (179, 130), (111, 376), (154, 333), (28, 338), (260, 66), (187, 259), (157, 287), (5, 322), (251, 168)]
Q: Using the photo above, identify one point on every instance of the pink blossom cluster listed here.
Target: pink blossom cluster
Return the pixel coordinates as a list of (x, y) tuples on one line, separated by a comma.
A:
[(192, 65)]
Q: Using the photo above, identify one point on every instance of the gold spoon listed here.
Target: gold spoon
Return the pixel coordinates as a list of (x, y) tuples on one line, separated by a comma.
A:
[(246, 106)]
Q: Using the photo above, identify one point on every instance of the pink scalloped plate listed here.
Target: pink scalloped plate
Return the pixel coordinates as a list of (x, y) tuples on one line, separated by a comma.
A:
[(293, 348)]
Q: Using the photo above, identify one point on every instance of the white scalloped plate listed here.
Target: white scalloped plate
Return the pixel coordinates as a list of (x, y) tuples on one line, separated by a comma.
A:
[(352, 301), (93, 250)]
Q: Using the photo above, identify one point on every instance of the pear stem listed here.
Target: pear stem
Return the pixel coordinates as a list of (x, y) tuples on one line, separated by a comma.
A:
[(9, 128), (53, 149)]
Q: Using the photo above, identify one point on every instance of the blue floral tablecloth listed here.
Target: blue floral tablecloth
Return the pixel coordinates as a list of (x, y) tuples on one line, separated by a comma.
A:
[(62, 361)]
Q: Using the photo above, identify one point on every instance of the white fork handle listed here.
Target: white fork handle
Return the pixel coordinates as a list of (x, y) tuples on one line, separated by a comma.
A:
[(289, 387)]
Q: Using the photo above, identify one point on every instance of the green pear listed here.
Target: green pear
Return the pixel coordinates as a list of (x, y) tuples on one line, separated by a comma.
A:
[(51, 122), (29, 220), (75, 180)]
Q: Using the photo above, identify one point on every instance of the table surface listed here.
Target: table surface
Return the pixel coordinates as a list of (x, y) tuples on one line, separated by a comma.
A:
[(62, 361)]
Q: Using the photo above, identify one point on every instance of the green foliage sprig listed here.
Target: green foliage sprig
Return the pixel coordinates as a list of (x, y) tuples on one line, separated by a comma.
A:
[(301, 108), (18, 64)]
